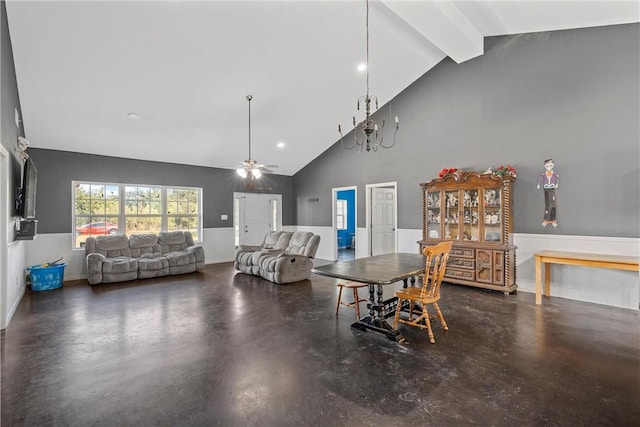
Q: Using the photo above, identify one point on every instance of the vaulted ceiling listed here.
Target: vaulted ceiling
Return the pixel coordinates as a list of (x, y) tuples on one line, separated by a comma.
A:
[(185, 67)]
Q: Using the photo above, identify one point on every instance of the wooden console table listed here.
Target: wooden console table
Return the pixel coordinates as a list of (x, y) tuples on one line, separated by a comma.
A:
[(618, 262)]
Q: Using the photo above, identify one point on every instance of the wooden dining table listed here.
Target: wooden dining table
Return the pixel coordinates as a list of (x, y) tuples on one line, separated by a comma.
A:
[(378, 271)]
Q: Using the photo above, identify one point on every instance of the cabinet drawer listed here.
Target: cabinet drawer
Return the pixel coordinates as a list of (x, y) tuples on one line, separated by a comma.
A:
[(455, 273), (463, 253), (462, 263)]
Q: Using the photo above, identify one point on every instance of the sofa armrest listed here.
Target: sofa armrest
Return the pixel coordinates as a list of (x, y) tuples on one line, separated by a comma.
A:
[(286, 268), (94, 262), (198, 251), (94, 267)]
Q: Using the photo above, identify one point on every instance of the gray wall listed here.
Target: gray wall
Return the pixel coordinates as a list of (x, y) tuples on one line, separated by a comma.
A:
[(9, 102), (568, 95), (57, 169)]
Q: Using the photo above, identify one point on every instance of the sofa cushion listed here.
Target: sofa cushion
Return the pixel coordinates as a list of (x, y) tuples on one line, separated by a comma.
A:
[(171, 241), (158, 263), (298, 242), (270, 239), (119, 265), (176, 259), (283, 240), (113, 246), (144, 246), (153, 267)]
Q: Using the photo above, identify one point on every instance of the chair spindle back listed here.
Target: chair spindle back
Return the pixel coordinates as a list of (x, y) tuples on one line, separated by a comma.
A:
[(437, 257)]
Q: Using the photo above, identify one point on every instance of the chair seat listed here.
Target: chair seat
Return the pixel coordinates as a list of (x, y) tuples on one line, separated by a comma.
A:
[(356, 298), (413, 294), (351, 285)]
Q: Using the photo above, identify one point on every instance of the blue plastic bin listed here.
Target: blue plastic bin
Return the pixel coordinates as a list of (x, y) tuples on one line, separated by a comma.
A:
[(46, 278)]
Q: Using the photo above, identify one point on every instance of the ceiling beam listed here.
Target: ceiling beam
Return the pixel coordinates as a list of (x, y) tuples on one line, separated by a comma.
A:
[(443, 24)]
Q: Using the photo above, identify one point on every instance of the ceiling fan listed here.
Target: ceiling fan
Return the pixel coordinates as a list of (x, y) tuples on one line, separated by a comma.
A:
[(251, 169)]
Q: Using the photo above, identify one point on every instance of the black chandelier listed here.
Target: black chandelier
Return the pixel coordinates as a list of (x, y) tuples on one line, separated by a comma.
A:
[(367, 134)]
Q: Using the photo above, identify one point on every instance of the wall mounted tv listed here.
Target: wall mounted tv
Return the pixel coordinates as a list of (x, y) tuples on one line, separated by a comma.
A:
[(26, 195)]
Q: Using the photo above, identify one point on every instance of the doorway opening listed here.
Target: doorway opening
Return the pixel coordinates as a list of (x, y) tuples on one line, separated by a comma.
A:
[(344, 223), (254, 215), (382, 214)]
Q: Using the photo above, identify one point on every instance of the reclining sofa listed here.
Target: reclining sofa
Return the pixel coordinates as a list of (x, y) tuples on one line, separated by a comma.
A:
[(281, 257), (118, 258)]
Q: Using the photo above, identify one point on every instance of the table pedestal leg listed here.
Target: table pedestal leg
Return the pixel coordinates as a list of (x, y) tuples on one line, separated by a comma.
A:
[(376, 321)]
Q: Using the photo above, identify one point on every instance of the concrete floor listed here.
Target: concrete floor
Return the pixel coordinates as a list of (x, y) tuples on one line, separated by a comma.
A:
[(222, 349)]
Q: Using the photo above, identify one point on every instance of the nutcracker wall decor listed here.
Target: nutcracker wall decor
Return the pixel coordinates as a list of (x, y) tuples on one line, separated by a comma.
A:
[(549, 180)]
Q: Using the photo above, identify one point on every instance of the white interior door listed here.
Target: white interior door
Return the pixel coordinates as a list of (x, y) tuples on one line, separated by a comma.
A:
[(254, 215), (383, 220)]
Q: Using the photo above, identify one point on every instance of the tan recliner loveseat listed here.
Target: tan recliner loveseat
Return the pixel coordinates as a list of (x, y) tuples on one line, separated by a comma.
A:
[(281, 257)]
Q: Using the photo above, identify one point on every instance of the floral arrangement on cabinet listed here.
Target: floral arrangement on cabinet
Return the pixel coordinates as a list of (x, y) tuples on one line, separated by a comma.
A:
[(446, 171), (507, 170)]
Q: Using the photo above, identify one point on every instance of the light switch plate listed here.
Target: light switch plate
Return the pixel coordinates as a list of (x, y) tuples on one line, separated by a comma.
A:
[(224, 217)]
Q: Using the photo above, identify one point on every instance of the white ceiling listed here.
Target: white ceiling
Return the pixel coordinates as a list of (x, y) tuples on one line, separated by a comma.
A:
[(185, 68)]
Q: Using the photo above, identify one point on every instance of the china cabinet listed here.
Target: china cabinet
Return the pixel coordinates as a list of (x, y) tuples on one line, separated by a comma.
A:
[(474, 210)]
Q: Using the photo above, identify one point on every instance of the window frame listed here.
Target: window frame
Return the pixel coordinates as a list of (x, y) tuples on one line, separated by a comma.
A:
[(341, 214), (122, 214)]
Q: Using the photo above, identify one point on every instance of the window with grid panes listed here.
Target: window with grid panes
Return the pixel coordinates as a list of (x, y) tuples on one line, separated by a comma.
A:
[(101, 209)]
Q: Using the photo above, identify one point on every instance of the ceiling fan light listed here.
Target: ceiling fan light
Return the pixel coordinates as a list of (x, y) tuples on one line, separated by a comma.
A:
[(256, 173), (242, 172)]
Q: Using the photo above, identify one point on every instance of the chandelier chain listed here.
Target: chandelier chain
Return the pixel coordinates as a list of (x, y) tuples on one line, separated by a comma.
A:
[(367, 37), (367, 134), (249, 98)]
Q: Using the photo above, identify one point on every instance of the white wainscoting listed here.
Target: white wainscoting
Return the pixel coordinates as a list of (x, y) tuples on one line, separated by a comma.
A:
[(327, 240), (596, 285), (16, 283), (407, 241), (600, 286), (218, 244), (51, 246)]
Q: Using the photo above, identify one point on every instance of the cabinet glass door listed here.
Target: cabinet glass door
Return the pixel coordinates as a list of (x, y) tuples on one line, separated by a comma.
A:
[(492, 213), (471, 215), (434, 228), (451, 215)]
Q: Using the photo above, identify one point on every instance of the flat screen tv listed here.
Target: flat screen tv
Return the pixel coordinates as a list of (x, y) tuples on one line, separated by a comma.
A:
[(26, 197)]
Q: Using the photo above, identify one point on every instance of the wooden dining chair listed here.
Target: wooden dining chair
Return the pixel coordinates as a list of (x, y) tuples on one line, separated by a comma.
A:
[(356, 299), (429, 293)]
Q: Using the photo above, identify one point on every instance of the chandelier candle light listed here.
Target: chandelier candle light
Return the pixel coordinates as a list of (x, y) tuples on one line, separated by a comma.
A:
[(367, 133)]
